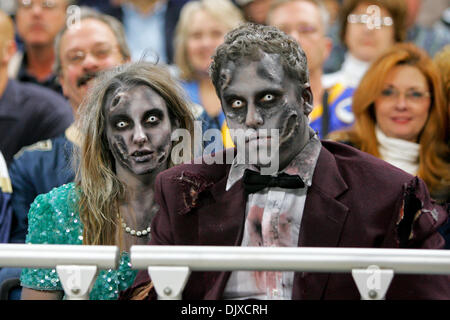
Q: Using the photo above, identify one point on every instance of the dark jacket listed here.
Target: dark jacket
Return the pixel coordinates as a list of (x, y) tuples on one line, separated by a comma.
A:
[(355, 200), (30, 113), (37, 170)]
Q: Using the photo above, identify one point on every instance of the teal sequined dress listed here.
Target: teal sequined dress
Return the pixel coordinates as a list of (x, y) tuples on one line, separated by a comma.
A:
[(54, 219)]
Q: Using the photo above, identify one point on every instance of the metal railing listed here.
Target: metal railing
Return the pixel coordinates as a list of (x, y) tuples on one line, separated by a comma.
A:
[(372, 269), (77, 266), (170, 266)]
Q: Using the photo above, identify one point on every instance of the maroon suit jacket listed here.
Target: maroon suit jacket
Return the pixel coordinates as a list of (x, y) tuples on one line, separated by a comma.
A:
[(355, 200)]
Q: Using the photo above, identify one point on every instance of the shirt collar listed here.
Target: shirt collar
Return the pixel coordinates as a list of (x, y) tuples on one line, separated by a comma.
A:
[(73, 135), (302, 165), (159, 8)]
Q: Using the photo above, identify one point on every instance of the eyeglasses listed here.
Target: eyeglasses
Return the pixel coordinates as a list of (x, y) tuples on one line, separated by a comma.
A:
[(305, 29), (412, 95), (372, 21), (76, 57), (301, 29), (46, 4)]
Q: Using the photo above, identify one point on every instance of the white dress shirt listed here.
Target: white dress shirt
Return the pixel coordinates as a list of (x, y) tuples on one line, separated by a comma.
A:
[(273, 219)]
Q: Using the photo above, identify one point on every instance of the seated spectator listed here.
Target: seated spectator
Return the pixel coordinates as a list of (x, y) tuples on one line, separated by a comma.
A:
[(254, 10), (337, 55), (150, 27), (401, 117), (333, 7), (109, 7), (5, 216), (47, 164), (38, 22), (366, 37), (40, 167), (199, 32), (5, 202), (28, 112), (318, 194), (126, 126), (432, 38), (307, 21)]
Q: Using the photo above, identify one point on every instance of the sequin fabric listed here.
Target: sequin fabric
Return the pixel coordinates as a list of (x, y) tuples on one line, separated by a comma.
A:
[(54, 219)]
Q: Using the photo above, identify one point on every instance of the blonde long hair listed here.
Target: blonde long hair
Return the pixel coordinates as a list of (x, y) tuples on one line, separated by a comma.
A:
[(434, 151), (99, 188)]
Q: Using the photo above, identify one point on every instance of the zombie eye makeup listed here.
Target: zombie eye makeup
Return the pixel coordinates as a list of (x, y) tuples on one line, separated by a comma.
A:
[(153, 117), (121, 124), (236, 104), (268, 98)]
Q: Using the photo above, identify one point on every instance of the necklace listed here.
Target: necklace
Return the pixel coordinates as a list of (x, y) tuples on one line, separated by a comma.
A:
[(141, 232), (134, 232)]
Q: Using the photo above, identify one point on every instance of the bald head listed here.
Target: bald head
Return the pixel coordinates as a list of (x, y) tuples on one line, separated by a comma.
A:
[(6, 28)]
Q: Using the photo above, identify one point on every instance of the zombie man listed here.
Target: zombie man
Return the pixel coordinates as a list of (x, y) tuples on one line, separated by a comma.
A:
[(324, 194)]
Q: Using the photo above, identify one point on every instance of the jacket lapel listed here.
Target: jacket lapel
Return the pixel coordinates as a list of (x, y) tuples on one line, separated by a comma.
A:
[(223, 218), (322, 223)]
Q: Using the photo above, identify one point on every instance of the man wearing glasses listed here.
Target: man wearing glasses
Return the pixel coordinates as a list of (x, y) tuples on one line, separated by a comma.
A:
[(38, 22), (94, 43), (307, 21)]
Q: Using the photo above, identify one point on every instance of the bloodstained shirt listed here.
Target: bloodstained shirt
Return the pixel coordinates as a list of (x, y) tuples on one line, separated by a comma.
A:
[(273, 219)]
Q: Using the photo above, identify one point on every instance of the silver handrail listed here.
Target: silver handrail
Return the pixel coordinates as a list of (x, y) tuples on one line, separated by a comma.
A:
[(221, 258), (170, 266), (77, 266), (51, 255)]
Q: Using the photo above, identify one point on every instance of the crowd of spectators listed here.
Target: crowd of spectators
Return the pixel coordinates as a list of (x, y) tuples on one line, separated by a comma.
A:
[(379, 74)]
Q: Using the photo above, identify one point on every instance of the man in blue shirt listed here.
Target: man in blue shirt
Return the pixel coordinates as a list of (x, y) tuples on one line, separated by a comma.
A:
[(150, 27)]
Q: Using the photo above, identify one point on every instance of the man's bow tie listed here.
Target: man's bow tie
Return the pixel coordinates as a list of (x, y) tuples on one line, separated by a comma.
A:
[(254, 182)]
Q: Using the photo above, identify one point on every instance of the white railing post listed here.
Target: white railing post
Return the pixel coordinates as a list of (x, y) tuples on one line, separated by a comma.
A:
[(169, 282), (373, 282), (77, 281)]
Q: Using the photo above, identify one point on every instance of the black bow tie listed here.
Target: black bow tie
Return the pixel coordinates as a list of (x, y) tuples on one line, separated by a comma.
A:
[(254, 182)]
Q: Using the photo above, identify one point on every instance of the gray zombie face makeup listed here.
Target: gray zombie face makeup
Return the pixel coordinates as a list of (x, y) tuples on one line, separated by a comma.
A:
[(259, 95), (138, 129)]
